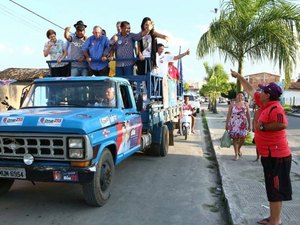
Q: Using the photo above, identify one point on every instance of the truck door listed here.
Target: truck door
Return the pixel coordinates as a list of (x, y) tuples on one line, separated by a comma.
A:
[(131, 122)]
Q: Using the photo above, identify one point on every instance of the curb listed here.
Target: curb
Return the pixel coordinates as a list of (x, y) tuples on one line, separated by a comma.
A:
[(293, 114)]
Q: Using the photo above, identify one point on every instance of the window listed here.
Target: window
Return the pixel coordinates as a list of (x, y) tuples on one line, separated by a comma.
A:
[(125, 97)]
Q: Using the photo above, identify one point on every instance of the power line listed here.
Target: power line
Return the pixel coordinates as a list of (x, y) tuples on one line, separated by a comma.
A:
[(36, 14), (34, 25)]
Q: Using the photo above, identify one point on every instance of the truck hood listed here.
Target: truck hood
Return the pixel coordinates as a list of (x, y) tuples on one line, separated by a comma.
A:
[(58, 120)]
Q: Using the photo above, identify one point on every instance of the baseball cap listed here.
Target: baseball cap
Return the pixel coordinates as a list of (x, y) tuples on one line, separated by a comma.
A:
[(273, 89)]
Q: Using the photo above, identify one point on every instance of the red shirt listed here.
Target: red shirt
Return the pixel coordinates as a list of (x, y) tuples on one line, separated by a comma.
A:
[(187, 107), (173, 72), (273, 143)]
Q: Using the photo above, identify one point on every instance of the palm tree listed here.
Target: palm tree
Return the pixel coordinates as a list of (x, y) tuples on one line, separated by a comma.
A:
[(257, 30), (217, 82)]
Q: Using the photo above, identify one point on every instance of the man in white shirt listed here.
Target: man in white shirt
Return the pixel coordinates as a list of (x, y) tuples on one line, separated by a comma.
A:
[(164, 59), (110, 99)]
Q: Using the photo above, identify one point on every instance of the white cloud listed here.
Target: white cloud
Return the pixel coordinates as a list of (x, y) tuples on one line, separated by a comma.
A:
[(6, 49), (202, 28), (174, 42), (27, 50), (178, 41)]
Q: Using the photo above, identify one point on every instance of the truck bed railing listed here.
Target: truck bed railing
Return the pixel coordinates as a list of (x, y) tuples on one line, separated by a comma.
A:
[(149, 83)]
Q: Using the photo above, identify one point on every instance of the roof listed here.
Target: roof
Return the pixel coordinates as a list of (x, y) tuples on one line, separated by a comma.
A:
[(258, 74), (81, 78), (295, 85), (23, 74)]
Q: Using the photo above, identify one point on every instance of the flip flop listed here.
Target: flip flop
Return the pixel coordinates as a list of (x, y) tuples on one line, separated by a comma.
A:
[(265, 221)]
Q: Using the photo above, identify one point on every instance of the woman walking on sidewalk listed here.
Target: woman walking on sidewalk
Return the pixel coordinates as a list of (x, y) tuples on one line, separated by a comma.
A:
[(271, 142), (238, 123)]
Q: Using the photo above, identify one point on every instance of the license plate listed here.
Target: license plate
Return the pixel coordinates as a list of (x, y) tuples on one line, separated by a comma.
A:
[(19, 173)]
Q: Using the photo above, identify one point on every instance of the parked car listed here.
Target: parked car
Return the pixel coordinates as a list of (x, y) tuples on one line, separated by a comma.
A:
[(222, 100), (202, 99)]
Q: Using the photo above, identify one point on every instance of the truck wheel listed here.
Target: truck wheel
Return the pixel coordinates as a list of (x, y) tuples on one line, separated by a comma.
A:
[(162, 148), (5, 185), (164, 145), (97, 192)]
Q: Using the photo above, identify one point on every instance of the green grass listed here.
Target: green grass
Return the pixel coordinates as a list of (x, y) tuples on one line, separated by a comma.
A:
[(211, 166), (287, 108), (296, 176), (211, 207)]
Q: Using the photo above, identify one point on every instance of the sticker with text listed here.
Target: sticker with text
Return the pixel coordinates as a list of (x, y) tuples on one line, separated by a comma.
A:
[(105, 121), (12, 121), (50, 122)]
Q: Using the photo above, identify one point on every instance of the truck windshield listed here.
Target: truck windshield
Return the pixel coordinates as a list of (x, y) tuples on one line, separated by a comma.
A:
[(71, 93)]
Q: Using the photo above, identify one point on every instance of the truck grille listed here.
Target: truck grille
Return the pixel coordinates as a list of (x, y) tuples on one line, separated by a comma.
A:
[(42, 147)]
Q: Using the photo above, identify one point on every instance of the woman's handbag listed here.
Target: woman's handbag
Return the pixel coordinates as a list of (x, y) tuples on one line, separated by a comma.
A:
[(225, 140)]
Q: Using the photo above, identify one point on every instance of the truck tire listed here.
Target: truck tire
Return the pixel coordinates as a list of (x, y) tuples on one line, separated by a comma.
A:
[(97, 192), (162, 148), (164, 145), (5, 185)]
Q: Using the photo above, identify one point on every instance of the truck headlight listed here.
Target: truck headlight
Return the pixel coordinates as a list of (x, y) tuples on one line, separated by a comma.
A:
[(76, 148)]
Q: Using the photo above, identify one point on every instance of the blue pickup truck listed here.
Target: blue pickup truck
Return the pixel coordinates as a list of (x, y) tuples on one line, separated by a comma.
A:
[(65, 131)]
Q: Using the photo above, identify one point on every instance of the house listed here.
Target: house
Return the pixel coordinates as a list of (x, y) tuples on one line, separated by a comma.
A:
[(262, 78), (291, 96), (23, 78)]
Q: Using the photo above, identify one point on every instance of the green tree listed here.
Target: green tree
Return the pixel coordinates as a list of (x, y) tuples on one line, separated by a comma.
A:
[(186, 86), (231, 93), (257, 30), (217, 82)]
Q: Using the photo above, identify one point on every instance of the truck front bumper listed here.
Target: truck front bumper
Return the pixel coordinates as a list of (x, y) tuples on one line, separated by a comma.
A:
[(47, 173)]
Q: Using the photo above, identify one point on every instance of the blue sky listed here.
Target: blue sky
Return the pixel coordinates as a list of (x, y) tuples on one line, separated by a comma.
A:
[(24, 34)]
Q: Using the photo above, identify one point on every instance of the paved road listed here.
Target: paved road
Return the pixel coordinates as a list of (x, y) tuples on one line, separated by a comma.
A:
[(178, 189)]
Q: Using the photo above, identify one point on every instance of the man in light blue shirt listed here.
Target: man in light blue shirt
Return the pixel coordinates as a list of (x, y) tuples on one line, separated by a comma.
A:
[(93, 50)]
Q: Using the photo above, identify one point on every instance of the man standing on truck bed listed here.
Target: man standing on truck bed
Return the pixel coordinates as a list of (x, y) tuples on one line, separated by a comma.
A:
[(164, 59), (93, 50), (123, 46), (75, 42)]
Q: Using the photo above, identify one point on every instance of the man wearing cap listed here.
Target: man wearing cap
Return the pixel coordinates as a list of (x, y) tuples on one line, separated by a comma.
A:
[(93, 50), (74, 48), (271, 142)]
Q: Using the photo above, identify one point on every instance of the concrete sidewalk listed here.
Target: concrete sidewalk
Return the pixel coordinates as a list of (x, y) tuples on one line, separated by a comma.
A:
[(243, 181)]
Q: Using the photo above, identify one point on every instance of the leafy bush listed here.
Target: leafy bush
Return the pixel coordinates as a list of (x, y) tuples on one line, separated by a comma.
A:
[(287, 108)]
